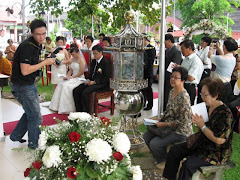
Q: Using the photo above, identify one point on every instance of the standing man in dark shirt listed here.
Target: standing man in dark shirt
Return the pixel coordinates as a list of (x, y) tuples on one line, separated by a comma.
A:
[(25, 69), (100, 73), (149, 56), (172, 54)]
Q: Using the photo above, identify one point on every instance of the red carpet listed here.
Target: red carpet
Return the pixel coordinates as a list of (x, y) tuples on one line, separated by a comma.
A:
[(48, 119)]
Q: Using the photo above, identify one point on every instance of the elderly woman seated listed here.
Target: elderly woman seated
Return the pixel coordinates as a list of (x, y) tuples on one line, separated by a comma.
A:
[(176, 119), (212, 144)]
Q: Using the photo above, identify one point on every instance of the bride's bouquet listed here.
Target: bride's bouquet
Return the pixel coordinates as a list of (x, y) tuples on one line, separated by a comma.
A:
[(85, 147)]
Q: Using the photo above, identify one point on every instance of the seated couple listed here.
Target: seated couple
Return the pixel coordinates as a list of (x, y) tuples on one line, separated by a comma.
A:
[(73, 94)]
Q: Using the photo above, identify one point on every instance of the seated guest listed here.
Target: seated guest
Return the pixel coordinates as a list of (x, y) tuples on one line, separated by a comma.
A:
[(62, 100), (101, 36), (212, 144), (89, 43), (107, 43), (100, 73), (177, 115), (225, 64)]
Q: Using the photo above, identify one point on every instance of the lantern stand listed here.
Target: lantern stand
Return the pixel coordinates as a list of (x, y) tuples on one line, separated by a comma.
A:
[(128, 52)]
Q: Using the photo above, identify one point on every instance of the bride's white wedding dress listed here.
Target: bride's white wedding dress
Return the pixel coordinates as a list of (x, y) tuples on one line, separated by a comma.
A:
[(62, 100)]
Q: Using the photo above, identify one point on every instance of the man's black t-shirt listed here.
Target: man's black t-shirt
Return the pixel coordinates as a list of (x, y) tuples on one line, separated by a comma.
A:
[(27, 52)]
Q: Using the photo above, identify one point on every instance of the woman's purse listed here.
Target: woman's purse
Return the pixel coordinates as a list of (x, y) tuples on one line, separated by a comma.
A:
[(192, 139), (162, 131)]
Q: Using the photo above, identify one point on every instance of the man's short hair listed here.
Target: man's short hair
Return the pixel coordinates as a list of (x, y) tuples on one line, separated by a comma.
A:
[(37, 23), (90, 37), (188, 44), (146, 37), (169, 37), (59, 38), (231, 44), (207, 39), (107, 39), (98, 48), (101, 34)]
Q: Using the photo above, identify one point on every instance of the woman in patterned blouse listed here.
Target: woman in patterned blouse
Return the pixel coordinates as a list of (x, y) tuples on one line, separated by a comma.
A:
[(212, 144), (177, 115)]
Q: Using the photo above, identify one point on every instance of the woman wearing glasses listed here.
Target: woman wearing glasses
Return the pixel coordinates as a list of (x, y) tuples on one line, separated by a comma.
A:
[(212, 144), (177, 116)]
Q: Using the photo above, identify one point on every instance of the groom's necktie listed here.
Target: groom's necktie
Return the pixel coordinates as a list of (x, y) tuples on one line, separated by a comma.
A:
[(94, 69)]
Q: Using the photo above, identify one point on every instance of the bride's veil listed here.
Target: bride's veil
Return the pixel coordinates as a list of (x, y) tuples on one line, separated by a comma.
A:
[(82, 56)]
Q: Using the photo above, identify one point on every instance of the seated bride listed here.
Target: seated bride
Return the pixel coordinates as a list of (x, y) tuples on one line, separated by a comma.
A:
[(62, 100)]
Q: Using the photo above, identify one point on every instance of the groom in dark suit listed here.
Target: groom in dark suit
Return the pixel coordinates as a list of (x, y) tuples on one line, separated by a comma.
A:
[(172, 54), (100, 73)]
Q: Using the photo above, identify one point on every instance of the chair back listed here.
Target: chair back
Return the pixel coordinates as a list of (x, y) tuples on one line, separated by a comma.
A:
[(87, 56), (109, 56)]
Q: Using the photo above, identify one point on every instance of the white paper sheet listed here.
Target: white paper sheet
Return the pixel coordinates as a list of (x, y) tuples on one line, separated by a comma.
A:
[(61, 75), (149, 121), (170, 67), (4, 76), (200, 109)]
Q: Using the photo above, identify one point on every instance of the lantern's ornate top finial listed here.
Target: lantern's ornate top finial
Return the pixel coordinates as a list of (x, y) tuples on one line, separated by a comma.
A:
[(129, 16)]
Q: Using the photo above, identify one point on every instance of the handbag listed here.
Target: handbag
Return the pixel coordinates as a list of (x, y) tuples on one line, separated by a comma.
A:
[(192, 139), (161, 132)]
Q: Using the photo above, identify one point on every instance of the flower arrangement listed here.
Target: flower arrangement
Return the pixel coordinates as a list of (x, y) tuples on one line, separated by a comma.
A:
[(206, 26), (85, 147)]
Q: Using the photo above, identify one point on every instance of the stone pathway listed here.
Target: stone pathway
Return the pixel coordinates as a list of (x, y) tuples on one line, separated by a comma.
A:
[(147, 164)]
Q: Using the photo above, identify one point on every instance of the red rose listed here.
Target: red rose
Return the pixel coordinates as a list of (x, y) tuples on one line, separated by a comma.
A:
[(105, 121), (37, 165), (71, 173), (27, 172), (74, 136), (118, 156)]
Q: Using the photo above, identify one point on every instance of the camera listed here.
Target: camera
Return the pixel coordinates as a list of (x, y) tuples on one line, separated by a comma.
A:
[(215, 40), (53, 55)]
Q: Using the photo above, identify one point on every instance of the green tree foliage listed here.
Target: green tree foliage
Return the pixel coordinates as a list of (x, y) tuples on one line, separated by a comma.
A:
[(192, 11), (83, 10)]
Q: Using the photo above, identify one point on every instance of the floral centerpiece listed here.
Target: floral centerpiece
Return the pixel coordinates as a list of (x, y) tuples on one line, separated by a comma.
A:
[(85, 147)]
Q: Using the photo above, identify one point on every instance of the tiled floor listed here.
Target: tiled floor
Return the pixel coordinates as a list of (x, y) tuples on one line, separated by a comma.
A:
[(13, 163)]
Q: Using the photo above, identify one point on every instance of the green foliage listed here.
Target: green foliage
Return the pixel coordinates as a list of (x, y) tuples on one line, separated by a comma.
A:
[(193, 11), (83, 10)]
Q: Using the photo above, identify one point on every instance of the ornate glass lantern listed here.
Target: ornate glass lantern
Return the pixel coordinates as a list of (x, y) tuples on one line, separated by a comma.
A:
[(129, 54)]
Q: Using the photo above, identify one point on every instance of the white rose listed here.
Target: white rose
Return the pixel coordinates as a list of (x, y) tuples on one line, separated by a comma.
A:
[(98, 150), (137, 172), (51, 157), (121, 143), (43, 137), (82, 116)]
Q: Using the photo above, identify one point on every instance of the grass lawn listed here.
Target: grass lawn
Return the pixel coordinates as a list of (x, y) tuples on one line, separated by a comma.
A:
[(231, 174)]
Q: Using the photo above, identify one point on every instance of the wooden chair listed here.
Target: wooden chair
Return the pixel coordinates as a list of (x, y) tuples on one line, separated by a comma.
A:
[(87, 55), (96, 96)]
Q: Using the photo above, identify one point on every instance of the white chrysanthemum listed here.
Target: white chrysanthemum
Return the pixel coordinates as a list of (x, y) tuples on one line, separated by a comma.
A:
[(137, 172), (121, 143), (51, 156), (98, 150), (43, 137), (82, 116)]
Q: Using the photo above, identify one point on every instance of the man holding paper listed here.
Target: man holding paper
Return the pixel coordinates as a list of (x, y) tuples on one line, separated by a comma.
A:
[(172, 56)]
